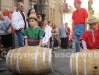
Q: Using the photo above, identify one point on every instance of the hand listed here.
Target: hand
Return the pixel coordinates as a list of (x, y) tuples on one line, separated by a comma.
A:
[(72, 33), (26, 45), (22, 30), (38, 46)]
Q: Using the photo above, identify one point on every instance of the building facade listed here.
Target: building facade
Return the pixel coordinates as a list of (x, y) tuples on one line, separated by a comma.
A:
[(52, 8)]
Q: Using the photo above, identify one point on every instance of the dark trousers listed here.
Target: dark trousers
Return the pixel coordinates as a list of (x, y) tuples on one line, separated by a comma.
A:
[(55, 43), (64, 43)]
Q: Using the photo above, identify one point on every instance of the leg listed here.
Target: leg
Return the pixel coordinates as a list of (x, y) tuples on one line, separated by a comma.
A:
[(65, 43), (20, 38), (54, 43), (77, 43), (62, 43)]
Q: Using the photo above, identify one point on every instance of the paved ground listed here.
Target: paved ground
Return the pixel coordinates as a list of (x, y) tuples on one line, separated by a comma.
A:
[(61, 65)]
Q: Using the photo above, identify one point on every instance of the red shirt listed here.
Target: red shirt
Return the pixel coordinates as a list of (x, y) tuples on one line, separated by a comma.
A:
[(79, 16), (88, 38)]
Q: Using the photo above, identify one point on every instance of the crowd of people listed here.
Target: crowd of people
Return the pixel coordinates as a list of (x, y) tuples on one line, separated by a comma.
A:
[(35, 30)]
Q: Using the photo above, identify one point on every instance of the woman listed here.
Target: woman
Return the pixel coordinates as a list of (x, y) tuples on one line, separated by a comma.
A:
[(5, 33), (55, 35)]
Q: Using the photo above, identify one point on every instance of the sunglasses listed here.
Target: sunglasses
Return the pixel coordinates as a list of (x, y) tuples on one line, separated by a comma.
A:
[(21, 6)]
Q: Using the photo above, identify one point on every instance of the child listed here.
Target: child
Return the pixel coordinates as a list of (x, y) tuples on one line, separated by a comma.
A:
[(47, 30), (33, 34), (90, 38)]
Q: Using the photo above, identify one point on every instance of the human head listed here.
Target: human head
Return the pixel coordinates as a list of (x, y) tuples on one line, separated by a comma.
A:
[(20, 6), (39, 18), (66, 24), (1, 16), (45, 22), (77, 4), (31, 11), (50, 23), (32, 19), (93, 22)]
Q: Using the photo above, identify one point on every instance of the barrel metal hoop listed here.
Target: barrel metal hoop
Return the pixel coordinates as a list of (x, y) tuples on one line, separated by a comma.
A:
[(85, 71), (44, 67), (11, 60), (71, 64), (36, 58), (50, 60), (7, 60), (17, 60), (77, 64)]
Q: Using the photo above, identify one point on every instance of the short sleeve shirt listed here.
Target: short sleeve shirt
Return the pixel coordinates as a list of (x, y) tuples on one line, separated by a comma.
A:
[(79, 16), (34, 33)]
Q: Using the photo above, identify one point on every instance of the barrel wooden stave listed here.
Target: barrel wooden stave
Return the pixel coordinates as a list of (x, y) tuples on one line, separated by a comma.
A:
[(89, 63), (27, 64)]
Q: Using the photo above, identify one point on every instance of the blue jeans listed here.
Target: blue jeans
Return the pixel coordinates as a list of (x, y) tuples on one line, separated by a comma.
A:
[(20, 38), (77, 42), (79, 30)]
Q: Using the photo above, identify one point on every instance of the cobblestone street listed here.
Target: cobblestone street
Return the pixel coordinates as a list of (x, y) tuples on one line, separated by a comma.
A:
[(61, 65)]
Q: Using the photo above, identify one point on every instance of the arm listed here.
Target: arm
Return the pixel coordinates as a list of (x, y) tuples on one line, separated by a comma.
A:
[(66, 29), (85, 16), (40, 42), (72, 28), (85, 23), (26, 42), (15, 21), (84, 44)]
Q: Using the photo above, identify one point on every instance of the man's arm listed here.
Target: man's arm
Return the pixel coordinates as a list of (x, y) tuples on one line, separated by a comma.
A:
[(15, 21), (72, 28), (85, 23)]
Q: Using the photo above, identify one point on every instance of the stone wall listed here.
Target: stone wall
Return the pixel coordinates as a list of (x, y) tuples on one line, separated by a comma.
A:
[(52, 8)]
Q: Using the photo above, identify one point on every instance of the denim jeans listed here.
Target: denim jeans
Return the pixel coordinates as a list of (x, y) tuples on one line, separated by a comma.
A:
[(79, 30), (77, 42), (20, 38)]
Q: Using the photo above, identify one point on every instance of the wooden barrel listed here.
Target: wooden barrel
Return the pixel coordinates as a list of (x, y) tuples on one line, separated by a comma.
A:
[(30, 60), (85, 63)]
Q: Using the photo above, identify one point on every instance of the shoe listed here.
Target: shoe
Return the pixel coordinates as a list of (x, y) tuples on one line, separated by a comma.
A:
[(2, 69)]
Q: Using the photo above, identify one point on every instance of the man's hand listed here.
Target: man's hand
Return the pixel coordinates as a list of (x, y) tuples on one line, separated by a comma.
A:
[(21, 29), (72, 33)]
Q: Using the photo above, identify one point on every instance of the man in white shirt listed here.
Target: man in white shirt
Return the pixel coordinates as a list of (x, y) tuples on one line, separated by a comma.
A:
[(19, 22)]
